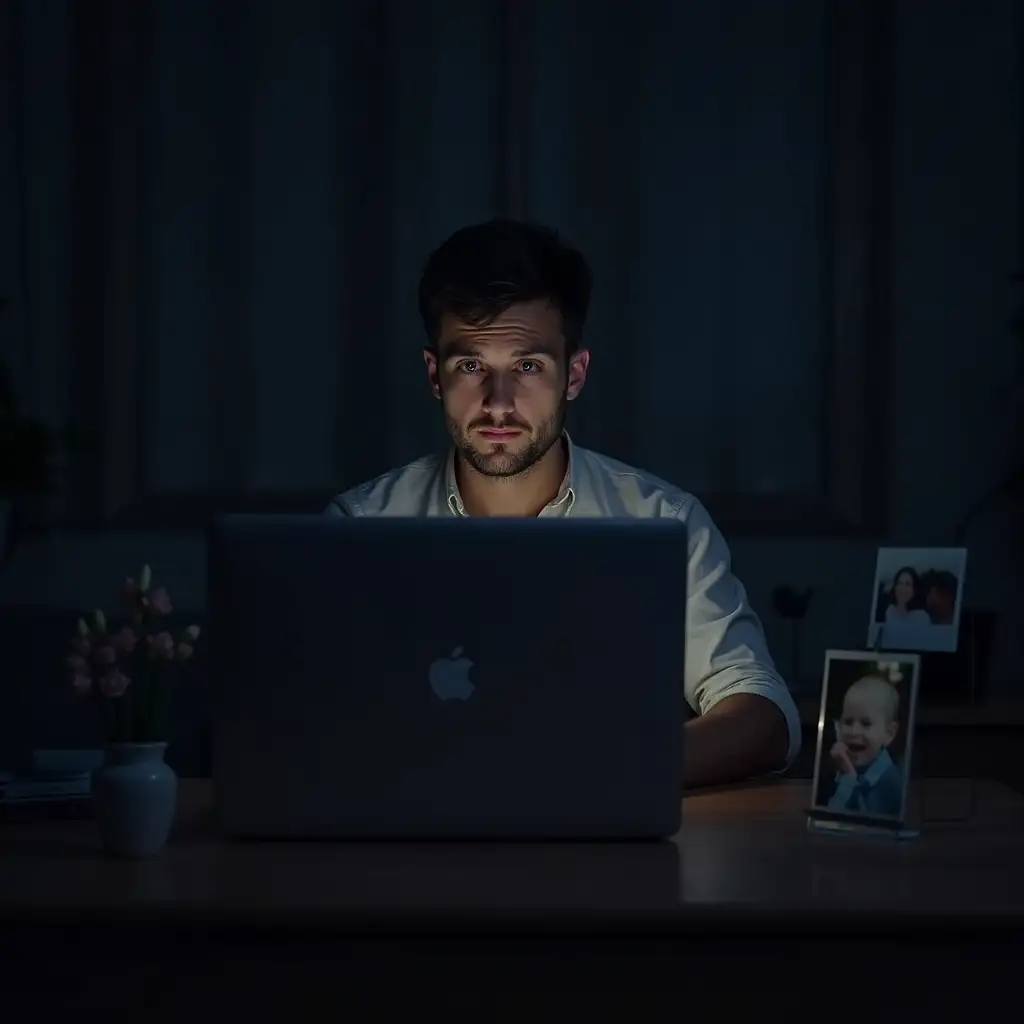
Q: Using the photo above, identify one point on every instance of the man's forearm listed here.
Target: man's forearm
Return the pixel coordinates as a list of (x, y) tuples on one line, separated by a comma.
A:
[(741, 736)]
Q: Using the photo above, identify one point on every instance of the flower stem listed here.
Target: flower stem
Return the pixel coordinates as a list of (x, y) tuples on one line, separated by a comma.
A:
[(126, 702), (156, 701), (107, 714)]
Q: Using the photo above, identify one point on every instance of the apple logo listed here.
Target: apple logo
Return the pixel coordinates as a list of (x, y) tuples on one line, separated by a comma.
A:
[(449, 677)]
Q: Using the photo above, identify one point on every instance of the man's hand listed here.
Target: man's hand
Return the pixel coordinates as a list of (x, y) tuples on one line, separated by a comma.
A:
[(840, 755), (743, 736)]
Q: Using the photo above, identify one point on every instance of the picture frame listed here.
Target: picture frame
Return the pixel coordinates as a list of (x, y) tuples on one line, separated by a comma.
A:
[(917, 599), (865, 746)]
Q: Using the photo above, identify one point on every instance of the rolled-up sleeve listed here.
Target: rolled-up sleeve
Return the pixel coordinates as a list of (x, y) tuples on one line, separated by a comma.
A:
[(337, 508), (726, 650)]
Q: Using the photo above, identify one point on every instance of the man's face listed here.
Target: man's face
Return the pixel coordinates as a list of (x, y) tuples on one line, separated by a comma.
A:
[(504, 386), (938, 600), (866, 727)]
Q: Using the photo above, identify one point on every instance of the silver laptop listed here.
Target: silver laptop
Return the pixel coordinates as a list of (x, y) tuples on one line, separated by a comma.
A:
[(447, 678)]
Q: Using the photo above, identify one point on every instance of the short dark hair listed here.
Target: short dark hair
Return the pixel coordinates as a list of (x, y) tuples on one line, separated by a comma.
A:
[(944, 582), (482, 270)]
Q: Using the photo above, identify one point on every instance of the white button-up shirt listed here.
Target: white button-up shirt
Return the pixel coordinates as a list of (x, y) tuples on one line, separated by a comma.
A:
[(726, 652)]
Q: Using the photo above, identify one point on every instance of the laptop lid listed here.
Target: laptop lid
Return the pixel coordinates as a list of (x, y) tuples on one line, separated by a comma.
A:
[(385, 677)]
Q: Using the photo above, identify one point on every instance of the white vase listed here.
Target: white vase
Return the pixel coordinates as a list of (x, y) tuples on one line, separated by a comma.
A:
[(135, 793)]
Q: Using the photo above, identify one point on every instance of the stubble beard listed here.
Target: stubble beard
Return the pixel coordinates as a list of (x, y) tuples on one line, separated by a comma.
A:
[(501, 464)]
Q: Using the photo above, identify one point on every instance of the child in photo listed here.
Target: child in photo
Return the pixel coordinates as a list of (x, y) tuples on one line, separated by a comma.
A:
[(867, 779)]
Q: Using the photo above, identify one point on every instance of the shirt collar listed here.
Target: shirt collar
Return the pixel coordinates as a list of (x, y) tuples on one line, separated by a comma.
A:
[(878, 767), (566, 493)]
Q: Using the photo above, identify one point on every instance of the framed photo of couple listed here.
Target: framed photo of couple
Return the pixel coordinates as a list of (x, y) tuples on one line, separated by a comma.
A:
[(865, 745), (917, 599)]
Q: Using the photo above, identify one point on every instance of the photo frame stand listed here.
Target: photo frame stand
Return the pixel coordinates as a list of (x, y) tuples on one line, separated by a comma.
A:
[(825, 820), (932, 799), (822, 823)]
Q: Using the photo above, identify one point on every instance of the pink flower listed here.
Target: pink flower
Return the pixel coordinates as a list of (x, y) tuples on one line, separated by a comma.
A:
[(81, 645), (113, 684), (76, 663), (184, 652), (82, 683), (125, 639), (105, 655), (161, 645), (158, 601)]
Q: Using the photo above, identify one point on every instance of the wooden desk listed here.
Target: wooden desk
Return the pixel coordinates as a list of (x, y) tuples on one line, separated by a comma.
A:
[(746, 845), (743, 872)]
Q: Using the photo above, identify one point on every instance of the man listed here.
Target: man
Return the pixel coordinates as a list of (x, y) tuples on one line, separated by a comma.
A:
[(940, 598), (504, 304)]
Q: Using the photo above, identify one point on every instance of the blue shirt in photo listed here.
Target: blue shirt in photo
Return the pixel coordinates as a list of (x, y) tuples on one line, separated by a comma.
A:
[(877, 789)]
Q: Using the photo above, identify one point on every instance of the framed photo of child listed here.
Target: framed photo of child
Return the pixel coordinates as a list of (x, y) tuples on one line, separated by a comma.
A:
[(865, 736)]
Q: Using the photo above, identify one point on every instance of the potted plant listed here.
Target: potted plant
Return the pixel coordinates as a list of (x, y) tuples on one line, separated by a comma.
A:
[(126, 670)]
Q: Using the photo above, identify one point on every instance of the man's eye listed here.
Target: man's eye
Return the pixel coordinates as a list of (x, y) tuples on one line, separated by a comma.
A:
[(468, 366), (529, 366)]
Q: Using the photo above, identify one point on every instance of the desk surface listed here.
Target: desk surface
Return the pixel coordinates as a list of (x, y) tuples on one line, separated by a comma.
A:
[(744, 847)]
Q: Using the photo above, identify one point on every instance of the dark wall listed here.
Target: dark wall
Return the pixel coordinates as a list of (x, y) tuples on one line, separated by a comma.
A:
[(947, 395)]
